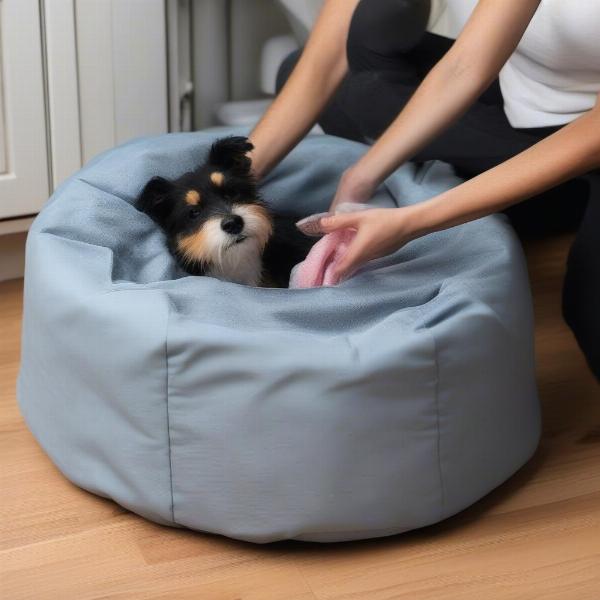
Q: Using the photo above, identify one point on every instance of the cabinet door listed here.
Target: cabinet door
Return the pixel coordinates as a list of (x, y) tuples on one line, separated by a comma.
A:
[(122, 71), (23, 154)]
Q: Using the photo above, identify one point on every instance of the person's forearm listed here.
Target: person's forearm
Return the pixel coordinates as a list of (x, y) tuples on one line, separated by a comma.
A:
[(317, 75), (571, 151)]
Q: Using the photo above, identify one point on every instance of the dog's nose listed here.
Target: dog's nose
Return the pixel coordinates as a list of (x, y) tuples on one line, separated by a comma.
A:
[(232, 224)]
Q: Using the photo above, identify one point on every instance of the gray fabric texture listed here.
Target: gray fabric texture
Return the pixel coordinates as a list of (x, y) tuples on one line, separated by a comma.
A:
[(387, 403)]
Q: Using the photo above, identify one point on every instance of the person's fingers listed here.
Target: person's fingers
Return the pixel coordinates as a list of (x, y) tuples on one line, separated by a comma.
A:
[(353, 258), (341, 221)]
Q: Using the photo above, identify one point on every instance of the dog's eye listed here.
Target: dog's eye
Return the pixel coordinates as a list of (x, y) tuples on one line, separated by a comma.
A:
[(194, 213)]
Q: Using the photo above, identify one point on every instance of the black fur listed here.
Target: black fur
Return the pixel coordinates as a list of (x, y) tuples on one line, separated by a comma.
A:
[(230, 154), (286, 248), (164, 201)]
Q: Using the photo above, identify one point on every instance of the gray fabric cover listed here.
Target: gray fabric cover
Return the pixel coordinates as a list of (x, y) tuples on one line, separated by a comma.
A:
[(384, 404)]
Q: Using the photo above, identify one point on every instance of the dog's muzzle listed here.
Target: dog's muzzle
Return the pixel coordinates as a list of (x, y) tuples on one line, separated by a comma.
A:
[(232, 224)]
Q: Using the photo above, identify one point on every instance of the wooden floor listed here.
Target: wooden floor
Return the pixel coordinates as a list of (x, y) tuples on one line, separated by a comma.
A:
[(537, 536)]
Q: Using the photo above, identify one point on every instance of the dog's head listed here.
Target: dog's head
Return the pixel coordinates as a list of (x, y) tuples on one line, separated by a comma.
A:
[(213, 217)]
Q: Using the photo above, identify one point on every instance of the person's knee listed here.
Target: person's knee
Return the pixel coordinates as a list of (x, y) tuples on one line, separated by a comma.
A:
[(581, 292), (286, 68), (580, 311), (383, 29)]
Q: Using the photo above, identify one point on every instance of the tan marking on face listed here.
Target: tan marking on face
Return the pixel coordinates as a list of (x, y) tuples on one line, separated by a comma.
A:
[(194, 247), (193, 198), (217, 178)]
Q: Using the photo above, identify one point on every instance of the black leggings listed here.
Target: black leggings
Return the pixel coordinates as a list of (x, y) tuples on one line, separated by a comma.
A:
[(386, 65)]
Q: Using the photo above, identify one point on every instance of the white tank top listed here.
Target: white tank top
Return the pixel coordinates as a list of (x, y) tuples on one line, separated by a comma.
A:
[(554, 74)]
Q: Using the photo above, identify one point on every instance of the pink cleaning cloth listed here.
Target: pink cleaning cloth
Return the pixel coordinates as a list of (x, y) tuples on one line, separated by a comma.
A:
[(318, 267)]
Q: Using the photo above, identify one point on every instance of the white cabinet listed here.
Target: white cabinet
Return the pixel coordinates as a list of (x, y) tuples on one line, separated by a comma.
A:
[(23, 143), (122, 70), (80, 76), (77, 79)]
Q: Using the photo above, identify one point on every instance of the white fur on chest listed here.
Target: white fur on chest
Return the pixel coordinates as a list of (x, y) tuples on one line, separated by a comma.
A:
[(241, 263)]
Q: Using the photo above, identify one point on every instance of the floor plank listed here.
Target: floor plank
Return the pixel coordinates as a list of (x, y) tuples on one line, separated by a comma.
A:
[(536, 536)]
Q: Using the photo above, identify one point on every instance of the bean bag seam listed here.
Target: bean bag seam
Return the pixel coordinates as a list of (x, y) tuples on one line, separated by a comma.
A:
[(423, 171), (111, 264), (465, 287), (167, 409), (439, 429), (428, 331), (96, 187), (354, 353), (453, 288)]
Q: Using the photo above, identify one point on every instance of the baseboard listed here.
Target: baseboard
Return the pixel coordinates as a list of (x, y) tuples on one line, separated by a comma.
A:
[(15, 225), (12, 255)]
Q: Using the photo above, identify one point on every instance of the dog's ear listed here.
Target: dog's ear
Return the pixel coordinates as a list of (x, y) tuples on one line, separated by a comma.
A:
[(154, 200), (230, 153)]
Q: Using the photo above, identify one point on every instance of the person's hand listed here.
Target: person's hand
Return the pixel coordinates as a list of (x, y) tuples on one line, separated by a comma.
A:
[(352, 187), (379, 232)]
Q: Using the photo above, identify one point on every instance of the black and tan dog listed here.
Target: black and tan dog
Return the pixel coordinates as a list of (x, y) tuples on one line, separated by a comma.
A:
[(217, 225)]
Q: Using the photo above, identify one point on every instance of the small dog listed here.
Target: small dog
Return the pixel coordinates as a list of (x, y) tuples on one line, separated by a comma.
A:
[(216, 223)]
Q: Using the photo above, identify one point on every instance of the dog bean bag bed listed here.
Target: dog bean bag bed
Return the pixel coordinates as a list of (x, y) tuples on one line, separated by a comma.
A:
[(387, 403)]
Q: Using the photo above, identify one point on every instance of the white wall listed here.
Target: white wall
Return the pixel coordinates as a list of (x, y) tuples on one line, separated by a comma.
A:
[(449, 18), (252, 23), (210, 58), (3, 164)]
